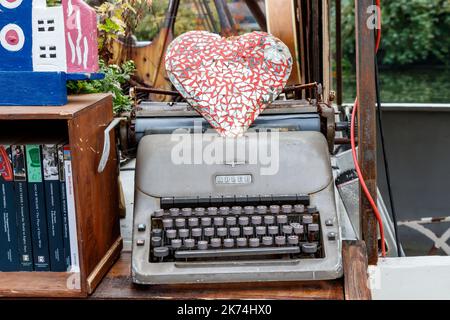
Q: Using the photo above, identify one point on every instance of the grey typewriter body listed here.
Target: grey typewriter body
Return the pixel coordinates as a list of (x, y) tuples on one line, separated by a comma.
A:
[(278, 227)]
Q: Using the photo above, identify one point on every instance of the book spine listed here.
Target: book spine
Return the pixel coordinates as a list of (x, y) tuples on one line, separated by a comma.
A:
[(53, 206), (9, 257), (71, 210), (64, 213), (36, 197), (22, 208)]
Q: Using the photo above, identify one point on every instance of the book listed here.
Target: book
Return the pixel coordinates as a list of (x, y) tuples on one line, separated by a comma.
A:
[(9, 257), (64, 213), (22, 208), (38, 218), (71, 211), (53, 206)]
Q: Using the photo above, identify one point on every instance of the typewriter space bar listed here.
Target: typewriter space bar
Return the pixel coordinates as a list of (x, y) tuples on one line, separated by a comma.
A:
[(213, 253)]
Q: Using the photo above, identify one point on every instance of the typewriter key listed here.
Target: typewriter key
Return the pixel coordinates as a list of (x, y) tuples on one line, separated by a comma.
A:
[(287, 229), (196, 232), (267, 241), (241, 242), (235, 232), (171, 234), (218, 221), (256, 220), (224, 210), (216, 242), (286, 208), (199, 211), (186, 212), (269, 220), (212, 211), (299, 208), (253, 242), (174, 212), (247, 231), (243, 221), (272, 230), (156, 241), (236, 210), (274, 209), (180, 222), (175, 243), (298, 228), (208, 232), (228, 243), (293, 240), (193, 222), (167, 223), (231, 221), (249, 209), (307, 219), (161, 252), (202, 245), (282, 219), (183, 233), (280, 240), (310, 248), (189, 243), (206, 222), (222, 232), (157, 232), (158, 213), (260, 230), (261, 209)]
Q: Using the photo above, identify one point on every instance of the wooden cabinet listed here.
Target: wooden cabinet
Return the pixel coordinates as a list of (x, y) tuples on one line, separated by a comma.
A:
[(82, 121)]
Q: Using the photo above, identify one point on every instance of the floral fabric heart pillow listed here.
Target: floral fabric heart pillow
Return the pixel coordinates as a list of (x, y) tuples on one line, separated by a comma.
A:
[(229, 81)]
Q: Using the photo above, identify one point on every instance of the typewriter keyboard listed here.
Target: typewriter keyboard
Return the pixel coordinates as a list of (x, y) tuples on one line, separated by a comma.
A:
[(287, 230)]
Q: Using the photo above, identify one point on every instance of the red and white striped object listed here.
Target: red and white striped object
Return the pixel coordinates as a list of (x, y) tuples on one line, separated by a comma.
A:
[(229, 81)]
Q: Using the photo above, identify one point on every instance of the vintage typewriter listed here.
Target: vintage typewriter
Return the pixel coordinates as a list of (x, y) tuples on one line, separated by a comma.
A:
[(226, 221)]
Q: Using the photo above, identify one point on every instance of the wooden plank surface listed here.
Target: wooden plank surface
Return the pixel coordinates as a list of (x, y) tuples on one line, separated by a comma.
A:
[(39, 284), (118, 285), (354, 255), (75, 105)]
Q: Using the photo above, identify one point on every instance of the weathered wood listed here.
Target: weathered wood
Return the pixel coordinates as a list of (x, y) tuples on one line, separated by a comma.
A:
[(365, 79), (39, 284), (354, 256), (285, 30), (118, 285)]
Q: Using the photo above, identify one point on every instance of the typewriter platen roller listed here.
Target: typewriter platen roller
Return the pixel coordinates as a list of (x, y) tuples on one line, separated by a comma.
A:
[(235, 220)]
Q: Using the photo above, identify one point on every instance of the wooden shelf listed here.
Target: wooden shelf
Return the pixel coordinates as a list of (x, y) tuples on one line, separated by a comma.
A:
[(75, 105), (83, 120)]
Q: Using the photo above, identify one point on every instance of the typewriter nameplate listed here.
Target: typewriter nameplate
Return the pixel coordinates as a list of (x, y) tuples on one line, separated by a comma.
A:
[(234, 179)]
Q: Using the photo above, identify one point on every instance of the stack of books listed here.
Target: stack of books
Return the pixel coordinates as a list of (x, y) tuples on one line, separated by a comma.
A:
[(38, 229)]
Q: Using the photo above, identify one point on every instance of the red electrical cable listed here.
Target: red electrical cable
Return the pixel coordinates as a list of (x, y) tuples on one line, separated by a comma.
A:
[(352, 141)]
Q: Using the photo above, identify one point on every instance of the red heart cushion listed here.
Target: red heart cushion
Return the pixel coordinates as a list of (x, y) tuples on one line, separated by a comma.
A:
[(229, 81)]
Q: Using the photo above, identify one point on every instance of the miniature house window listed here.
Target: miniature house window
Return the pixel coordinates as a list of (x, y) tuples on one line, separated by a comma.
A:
[(47, 52), (46, 25)]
